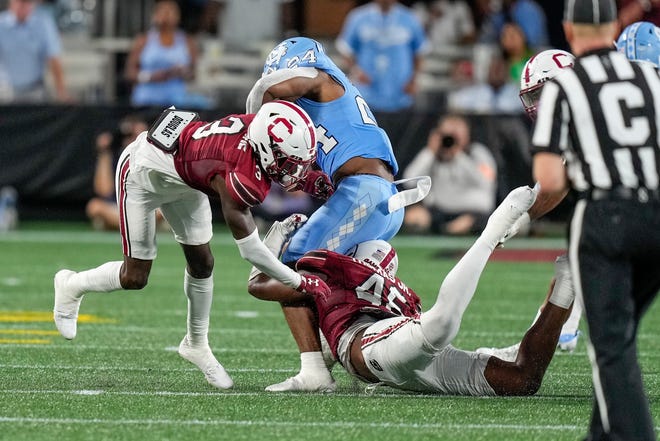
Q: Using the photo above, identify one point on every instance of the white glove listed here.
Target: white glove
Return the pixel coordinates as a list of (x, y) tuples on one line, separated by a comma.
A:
[(278, 234)]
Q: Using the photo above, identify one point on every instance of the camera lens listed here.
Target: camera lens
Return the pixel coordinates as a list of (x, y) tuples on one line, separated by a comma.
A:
[(448, 141)]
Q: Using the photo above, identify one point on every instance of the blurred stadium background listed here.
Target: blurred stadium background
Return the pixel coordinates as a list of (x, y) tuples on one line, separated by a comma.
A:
[(47, 150)]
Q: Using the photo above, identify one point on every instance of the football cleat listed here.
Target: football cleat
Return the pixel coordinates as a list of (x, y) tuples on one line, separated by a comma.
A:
[(203, 358), (305, 384), (509, 353), (67, 304), (516, 203), (568, 342)]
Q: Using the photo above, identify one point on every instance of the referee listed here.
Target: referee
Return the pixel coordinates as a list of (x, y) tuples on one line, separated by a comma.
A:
[(602, 117)]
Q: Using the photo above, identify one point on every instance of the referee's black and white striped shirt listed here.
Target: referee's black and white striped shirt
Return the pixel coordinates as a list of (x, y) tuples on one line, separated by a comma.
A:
[(603, 116)]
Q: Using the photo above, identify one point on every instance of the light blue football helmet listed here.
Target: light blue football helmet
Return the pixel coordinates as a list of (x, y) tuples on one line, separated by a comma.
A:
[(640, 42)]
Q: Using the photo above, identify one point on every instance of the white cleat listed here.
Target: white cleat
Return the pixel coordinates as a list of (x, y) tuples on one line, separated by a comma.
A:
[(203, 358), (510, 353), (516, 203), (67, 304), (568, 342), (305, 384)]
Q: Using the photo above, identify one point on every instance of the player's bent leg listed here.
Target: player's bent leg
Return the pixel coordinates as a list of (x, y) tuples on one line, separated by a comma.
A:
[(525, 374), (70, 288), (314, 375), (561, 292), (440, 323), (198, 288)]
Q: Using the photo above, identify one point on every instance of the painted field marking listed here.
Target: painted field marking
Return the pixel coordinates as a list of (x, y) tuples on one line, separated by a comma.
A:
[(28, 332), (360, 392), (46, 316), (24, 341), (47, 367), (270, 423)]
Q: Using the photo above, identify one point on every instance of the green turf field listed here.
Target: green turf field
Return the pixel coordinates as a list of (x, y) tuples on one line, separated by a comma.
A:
[(120, 379)]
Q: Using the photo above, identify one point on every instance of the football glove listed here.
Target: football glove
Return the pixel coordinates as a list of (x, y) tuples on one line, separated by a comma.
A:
[(318, 184), (313, 285)]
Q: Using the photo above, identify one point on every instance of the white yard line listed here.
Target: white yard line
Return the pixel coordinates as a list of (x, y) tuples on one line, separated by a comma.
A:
[(129, 368), (269, 423)]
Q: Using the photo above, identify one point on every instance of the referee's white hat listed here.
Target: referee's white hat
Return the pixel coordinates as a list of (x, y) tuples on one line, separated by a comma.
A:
[(590, 11)]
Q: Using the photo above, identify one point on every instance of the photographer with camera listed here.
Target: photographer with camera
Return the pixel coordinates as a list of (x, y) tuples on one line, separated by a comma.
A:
[(464, 176), (102, 209)]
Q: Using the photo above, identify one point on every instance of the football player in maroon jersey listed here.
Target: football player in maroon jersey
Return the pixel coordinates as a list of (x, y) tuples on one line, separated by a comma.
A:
[(375, 327), (173, 167)]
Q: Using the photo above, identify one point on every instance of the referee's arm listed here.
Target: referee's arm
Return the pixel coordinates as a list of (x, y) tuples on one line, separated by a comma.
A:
[(550, 173), (548, 166)]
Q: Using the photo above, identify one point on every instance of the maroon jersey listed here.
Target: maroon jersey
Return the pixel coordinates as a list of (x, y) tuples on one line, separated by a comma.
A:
[(221, 148), (356, 289)]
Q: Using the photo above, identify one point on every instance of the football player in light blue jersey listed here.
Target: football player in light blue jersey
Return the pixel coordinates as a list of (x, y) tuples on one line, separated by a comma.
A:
[(640, 42), (357, 155)]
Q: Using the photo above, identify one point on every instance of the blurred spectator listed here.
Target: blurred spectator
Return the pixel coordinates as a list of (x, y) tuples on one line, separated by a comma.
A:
[(631, 11), (464, 177), (30, 43), (102, 209), (515, 49), (8, 210), (383, 44), (497, 95), (525, 13), (450, 23), (160, 62)]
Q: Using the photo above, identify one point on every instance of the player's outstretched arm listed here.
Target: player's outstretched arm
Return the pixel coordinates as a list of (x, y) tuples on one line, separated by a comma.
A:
[(240, 222), (291, 84)]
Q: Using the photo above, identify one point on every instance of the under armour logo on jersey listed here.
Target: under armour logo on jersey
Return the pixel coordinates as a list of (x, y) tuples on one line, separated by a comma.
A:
[(375, 365)]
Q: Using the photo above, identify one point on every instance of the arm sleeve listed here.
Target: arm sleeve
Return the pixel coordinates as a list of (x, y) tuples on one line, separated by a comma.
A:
[(347, 41), (420, 44), (256, 96), (53, 44), (255, 252)]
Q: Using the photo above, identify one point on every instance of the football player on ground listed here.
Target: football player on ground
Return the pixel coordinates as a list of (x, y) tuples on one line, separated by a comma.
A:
[(358, 156), (234, 158), (537, 71), (640, 42), (376, 330)]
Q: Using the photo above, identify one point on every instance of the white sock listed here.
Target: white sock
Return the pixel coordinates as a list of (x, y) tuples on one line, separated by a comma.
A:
[(311, 363), (571, 325), (104, 278), (440, 323), (200, 296), (562, 295)]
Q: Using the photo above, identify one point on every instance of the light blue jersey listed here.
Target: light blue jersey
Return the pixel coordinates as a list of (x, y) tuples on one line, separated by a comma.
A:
[(345, 127)]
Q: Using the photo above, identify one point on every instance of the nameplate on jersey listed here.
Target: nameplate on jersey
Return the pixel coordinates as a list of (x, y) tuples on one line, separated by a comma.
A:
[(165, 132)]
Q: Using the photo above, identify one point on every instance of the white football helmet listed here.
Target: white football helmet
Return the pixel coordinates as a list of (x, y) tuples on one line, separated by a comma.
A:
[(283, 136), (539, 69), (377, 254)]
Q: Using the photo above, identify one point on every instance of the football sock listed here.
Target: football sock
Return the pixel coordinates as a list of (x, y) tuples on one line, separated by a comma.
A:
[(200, 296), (104, 278), (571, 325), (440, 324), (312, 364)]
